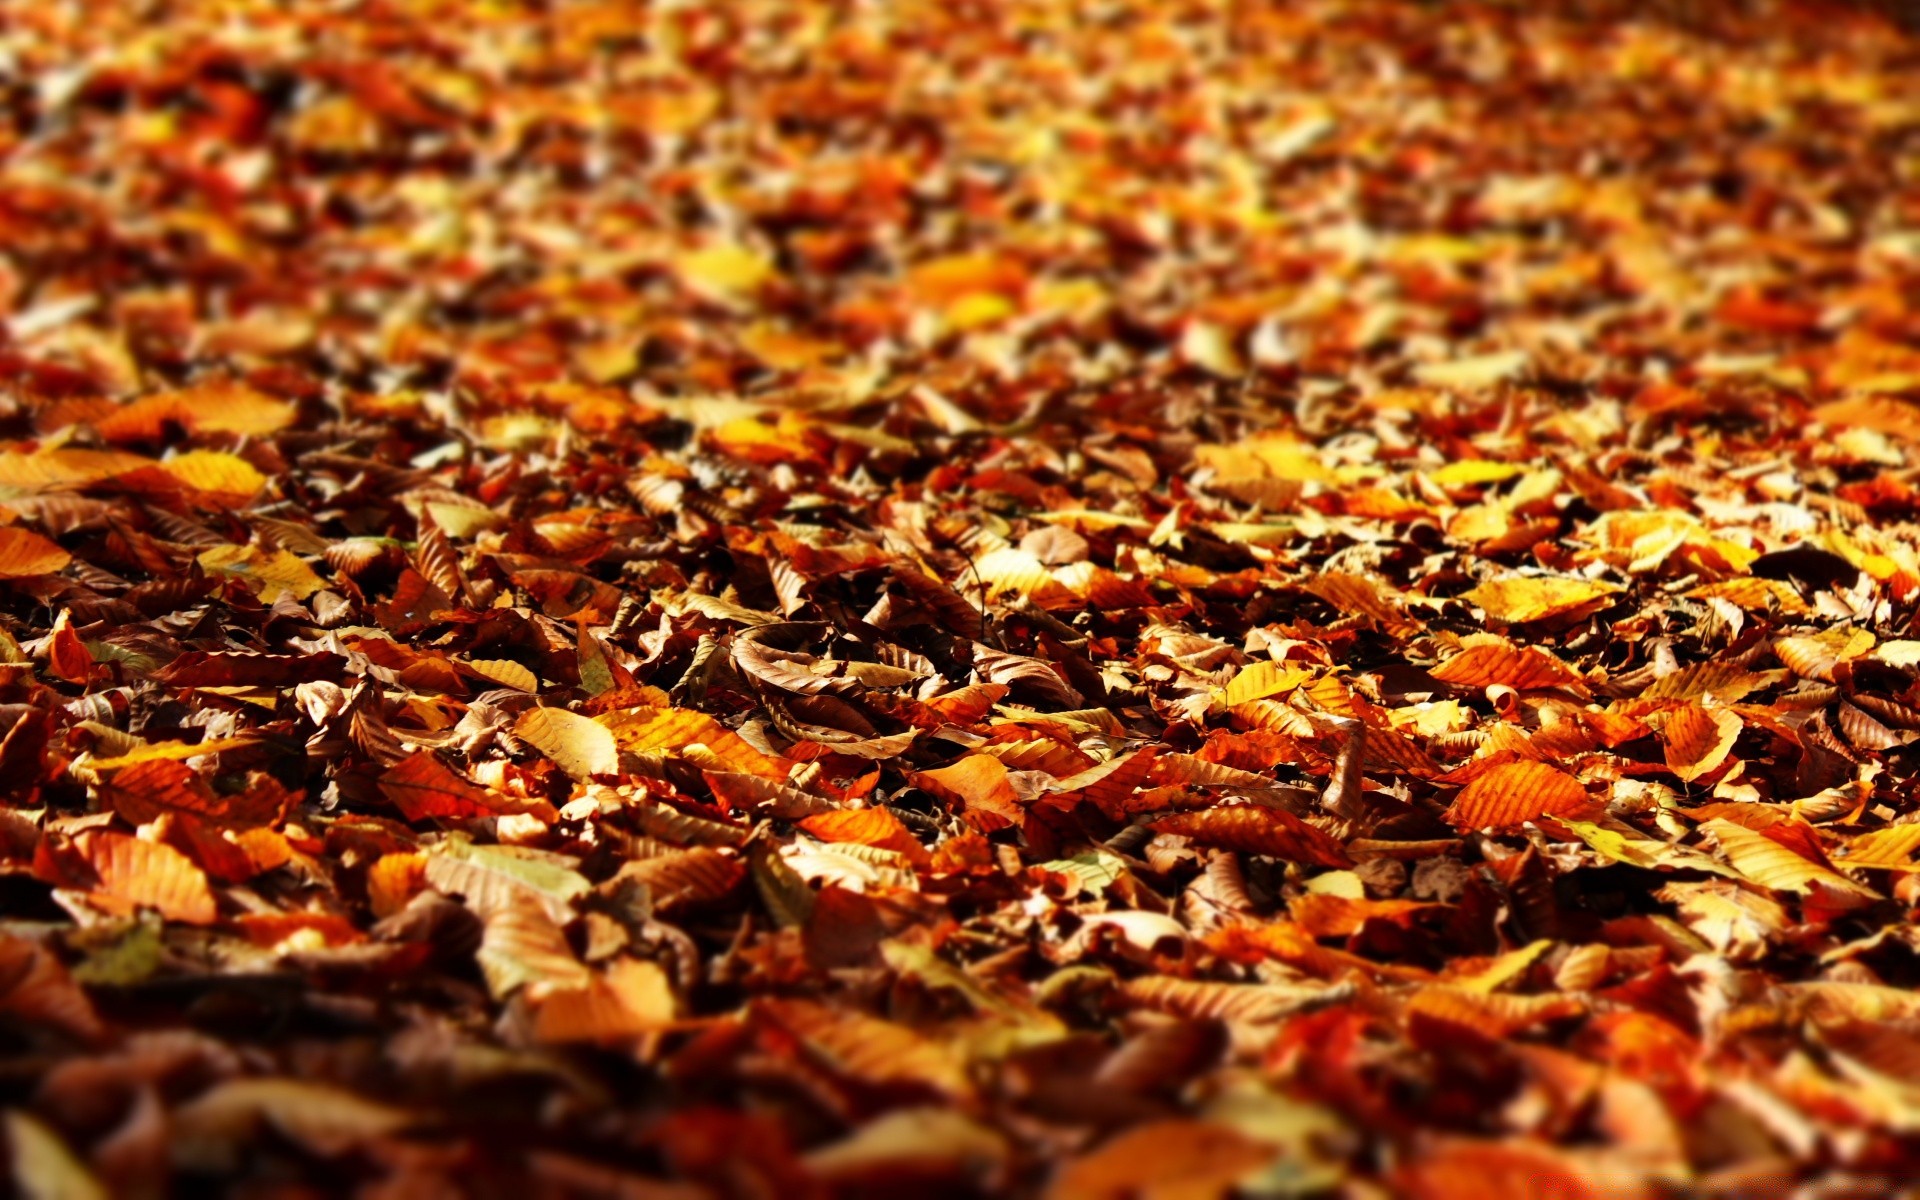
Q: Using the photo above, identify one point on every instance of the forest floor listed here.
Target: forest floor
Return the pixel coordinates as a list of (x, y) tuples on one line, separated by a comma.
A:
[(957, 597)]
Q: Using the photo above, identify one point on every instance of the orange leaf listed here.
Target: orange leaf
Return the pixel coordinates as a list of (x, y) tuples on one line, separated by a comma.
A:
[(1109, 785), (1515, 793), (393, 880), (421, 786), (1483, 663), (143, 791), (1251, 829), (142, 874), (696, 875), (963, 706), (869, 827), (1162, 1160), (630, 998), (67, 656), (979, 784), (1458, 1169), (1699, 739), (1494, 1015), (23, 553)]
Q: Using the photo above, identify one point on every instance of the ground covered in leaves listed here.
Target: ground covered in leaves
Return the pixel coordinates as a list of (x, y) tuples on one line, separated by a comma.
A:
[(1092, 600)]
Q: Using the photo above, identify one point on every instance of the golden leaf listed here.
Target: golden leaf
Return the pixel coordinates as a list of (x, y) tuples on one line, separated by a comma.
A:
[(1891, 848), (677, 731), (1258, 680), (64, 468), (1482, 663), (727, 273), (1521, 598), (629, 998), (1754, 595), (269, 573), (1699, 739), (138, 873), (226, 480), (581, 746), (43, 1167), (1470, 471), (1011, 569), (1472, 374), (1515, 793), (1773, 866), (505, 672), (524, 947)]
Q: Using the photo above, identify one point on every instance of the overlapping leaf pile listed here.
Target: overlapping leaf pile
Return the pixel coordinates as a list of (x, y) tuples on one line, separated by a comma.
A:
[(1100, 600)]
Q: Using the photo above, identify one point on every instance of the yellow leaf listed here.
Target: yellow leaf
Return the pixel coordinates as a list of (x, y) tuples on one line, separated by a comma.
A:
[(1471, 471), (681, 732), (1891, 848), (1265, 456), (226, 479), (506, 673), (268, 572), (1482, 371), (1011, 569), (1754, 595), (1521, 598), (723, 272), (1258, 680), (43, 1167), (580, 745), (168, 750), (1773, 866)]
